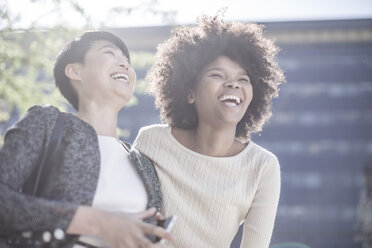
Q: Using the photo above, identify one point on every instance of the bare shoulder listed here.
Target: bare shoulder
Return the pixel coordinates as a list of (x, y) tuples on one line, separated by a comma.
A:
[(183, 136), (179, 133)]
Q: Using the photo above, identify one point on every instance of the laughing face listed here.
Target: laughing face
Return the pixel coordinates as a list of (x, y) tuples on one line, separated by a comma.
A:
[(106, 75), (222, 93)]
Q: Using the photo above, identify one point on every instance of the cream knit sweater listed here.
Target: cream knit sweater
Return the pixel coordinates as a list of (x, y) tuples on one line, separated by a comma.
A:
[(212, 196)]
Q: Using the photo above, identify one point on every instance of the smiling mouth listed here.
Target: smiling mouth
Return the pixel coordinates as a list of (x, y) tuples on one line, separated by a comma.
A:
[(120, 76), (230, 100)]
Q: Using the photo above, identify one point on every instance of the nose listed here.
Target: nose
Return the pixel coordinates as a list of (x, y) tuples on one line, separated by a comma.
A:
[(232, 84), (123, 62)]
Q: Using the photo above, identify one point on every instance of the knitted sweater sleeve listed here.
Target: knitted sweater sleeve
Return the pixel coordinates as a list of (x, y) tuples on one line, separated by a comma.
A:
[(22, 145), (259, 221)]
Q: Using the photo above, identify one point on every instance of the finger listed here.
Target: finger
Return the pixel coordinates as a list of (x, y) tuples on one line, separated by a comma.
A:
[(145, 214), (159, 216), (146, 243), (129, 243), (157, 231), (157, 245)]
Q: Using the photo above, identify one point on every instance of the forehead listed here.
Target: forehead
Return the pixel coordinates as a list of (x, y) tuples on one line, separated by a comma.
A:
[(224, 63), (100, 44)]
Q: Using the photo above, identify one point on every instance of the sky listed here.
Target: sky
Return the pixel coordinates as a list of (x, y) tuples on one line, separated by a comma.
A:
[(186, 11)]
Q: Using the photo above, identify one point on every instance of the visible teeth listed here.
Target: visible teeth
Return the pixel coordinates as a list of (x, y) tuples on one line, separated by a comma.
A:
[(230, 97), (120, 76)]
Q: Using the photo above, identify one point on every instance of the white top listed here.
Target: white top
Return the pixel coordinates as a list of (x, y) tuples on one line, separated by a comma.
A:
[(120, 188), (212, 196)]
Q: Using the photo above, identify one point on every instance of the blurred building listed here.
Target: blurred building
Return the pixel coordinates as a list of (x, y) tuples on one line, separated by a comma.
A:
[(321, 129)]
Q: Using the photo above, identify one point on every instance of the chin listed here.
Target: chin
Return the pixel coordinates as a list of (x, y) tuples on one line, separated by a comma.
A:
[(125, 102), (125, 96), (233, 120), (229, 123)]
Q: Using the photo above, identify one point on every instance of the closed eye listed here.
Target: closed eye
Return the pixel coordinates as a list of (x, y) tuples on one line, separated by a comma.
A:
[(109, 52), (244, 80), (216, 75)]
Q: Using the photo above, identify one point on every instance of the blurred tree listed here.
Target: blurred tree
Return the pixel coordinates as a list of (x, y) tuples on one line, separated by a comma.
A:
[(27, 57), (28, 51)]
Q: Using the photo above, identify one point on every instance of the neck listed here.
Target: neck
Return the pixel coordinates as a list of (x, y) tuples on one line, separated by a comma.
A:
[(102, 118), (213, 142)]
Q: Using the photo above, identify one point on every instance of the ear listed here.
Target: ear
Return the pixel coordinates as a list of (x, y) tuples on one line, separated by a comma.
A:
[(72, 71), (190, 97)]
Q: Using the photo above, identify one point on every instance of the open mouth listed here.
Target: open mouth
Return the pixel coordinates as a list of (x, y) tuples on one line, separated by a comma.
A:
[(230, 100), (120, 76)]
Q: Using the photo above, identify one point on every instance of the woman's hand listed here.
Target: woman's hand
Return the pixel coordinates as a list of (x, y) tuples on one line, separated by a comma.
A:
[(118, 230), (128, 230)]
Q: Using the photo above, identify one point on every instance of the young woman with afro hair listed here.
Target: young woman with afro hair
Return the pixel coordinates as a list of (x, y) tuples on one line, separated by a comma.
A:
[(213, 83)]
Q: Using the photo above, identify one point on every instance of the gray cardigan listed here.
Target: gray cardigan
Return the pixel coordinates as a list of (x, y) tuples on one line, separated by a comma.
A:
[(73, 180)]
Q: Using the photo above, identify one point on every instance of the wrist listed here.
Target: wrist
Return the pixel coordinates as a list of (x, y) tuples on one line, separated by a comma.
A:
[(86, 221)]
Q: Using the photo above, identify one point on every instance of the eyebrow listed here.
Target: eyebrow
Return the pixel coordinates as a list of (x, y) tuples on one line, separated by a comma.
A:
[(115, 48), (109, 46), (244, 73)]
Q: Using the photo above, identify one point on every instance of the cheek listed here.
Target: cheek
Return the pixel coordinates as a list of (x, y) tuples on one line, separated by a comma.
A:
[(206, 89), (132, 75), (249, 92)]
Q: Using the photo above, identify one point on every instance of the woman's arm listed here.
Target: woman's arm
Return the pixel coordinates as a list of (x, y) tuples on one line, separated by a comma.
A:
[(259, 222), (23, 144), (117, 229)]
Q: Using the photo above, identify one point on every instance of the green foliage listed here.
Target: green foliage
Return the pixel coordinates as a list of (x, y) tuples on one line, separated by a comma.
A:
[(142, 59), (27, 57), (26, 64)]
